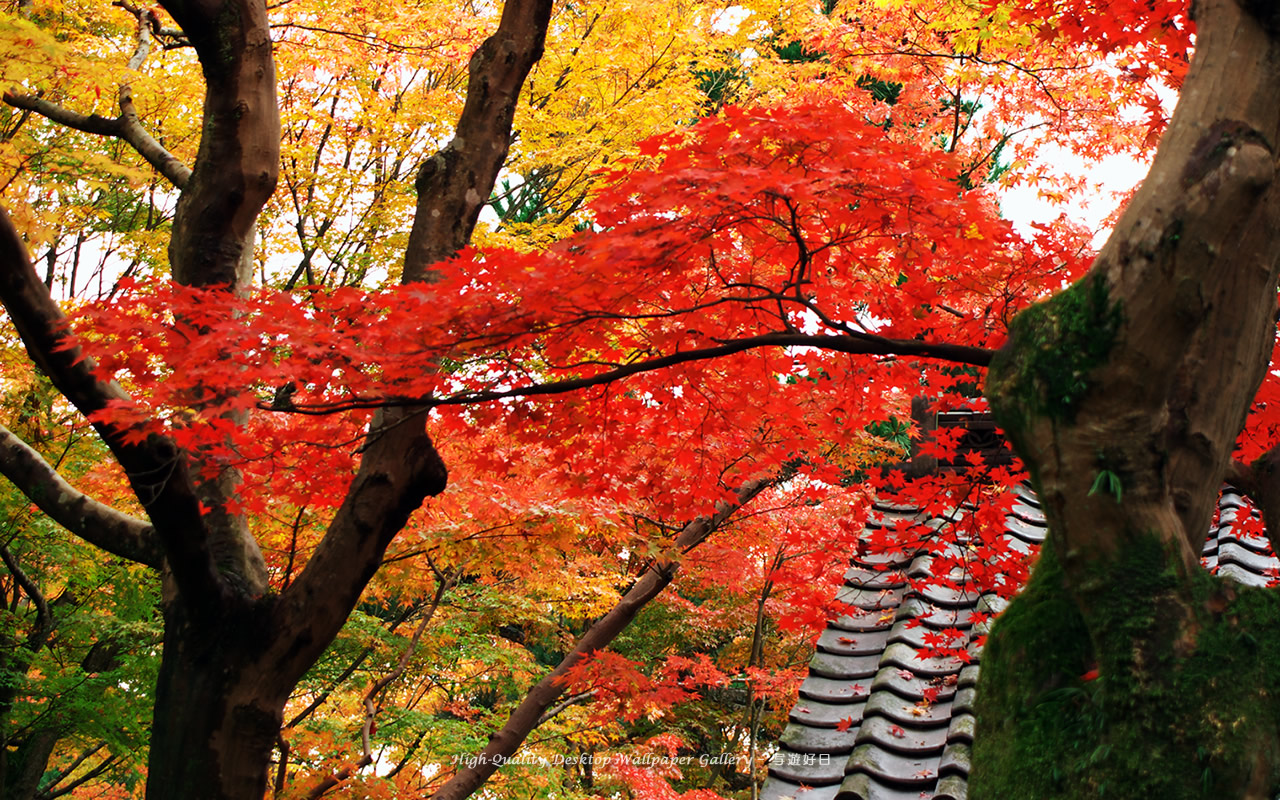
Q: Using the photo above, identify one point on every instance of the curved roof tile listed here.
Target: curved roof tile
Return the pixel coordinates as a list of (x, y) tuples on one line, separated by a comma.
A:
[(868, 678)]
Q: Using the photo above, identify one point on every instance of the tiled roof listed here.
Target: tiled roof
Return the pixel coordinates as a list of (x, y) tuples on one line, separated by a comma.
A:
[(867, 679)]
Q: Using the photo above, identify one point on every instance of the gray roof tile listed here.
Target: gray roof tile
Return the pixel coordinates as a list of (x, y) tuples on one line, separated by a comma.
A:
[(844, 668), (861, 786), (864, 620), (833, 690), (892, 736), (867, 672), (968, 676), (875, 578), (804, 739), (908, 712), (779, 789), (962, 725), (903, 682), (894, 768), (816, 714), (907, 657), (963, 702), (952, 787), (853, 644), (1241, 574), (935, 616), (946, 596), (956, 761), (871, 599), (1233, 552)]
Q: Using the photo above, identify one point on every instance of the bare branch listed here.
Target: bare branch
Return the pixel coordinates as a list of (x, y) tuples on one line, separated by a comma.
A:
[(131, 129), (533, 709), (83, 778), (442, 586), (84, 756), (126, 126), (44, 618), (852, 343), (98, 524), (371, 696), (340, 776), (568, 702), (92, 123)]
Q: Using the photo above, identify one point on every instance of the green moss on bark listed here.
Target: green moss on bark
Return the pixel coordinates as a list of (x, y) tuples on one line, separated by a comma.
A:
[(1052, 348), (1035, 715), (1173, 714)]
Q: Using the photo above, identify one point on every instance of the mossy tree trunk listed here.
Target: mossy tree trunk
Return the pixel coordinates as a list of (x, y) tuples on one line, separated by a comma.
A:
[(1124, 396)]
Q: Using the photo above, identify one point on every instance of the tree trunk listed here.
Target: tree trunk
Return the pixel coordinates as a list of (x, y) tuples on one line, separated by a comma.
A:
[(22, 768), (1124, 396), (216, 713), (233, 651)]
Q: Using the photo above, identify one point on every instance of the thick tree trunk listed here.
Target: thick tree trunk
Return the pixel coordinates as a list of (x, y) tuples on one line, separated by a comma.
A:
[(233, 652), (216, 714), (1124, 396), (22, 768)]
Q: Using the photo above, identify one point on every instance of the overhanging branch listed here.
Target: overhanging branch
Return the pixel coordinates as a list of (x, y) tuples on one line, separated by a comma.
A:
[(125, 127), (859, 344), (96, 523)]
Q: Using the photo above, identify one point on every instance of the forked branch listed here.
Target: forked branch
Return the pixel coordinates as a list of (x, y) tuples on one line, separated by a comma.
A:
[(126, 126), (155, 466)]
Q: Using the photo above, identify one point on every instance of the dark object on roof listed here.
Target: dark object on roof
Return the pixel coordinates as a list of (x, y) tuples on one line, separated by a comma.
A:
[(980, 436), (866, 676)]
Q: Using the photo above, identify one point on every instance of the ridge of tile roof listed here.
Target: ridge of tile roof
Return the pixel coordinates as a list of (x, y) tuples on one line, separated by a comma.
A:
[(861, 729)]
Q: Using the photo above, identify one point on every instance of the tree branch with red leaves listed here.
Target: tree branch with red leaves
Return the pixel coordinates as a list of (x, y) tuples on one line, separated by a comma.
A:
[(154, 466), (534, 709)]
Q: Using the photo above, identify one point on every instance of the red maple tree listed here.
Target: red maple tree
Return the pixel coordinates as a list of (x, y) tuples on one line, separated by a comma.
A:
[(753, 295)]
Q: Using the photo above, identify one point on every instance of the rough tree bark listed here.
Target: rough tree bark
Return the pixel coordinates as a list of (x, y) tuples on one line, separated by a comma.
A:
[(1138, 380), (234, 649)]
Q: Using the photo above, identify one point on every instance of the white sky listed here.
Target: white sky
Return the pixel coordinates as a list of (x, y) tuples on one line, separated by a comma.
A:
[(1113, 176)]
